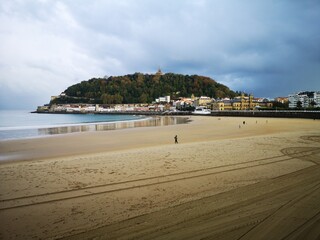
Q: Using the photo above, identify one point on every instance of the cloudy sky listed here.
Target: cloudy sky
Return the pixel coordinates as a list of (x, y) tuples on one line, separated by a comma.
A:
[(266, 47)]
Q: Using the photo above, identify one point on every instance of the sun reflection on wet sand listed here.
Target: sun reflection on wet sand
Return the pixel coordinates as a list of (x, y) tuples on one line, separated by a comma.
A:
[(151, 122)]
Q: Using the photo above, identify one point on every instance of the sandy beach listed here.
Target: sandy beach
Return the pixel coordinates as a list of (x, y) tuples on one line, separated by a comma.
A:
[(224, 180)]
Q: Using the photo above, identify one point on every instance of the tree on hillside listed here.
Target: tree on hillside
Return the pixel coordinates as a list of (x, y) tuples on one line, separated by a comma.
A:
[(145, 88)]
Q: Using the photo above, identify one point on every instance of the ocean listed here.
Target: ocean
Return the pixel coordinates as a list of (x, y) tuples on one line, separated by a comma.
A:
[(23, 124)]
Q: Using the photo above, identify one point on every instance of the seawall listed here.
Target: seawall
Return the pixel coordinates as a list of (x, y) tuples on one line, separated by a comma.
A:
[(272, 114)]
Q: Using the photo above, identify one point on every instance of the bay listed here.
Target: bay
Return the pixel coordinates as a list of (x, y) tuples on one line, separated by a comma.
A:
[(16, 124), (24, 124)]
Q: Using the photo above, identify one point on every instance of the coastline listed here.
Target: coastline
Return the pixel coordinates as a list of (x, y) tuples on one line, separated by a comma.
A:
[(307, 114), (222, 180), (199, 129), (29, 132)]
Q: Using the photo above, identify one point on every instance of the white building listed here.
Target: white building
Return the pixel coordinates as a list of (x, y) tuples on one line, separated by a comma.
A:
[(88, 108), (306, 99), (163, 99)]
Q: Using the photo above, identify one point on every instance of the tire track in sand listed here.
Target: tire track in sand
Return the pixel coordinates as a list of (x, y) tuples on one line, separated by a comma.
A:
[(127, 185), (304, 153), (239, 215), (145, 182), (257, 211)]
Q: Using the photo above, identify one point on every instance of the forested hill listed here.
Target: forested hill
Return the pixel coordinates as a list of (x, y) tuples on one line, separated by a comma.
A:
[(142, 88)]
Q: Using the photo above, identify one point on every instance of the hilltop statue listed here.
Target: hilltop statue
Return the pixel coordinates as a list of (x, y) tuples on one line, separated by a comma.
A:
[(159, 72)]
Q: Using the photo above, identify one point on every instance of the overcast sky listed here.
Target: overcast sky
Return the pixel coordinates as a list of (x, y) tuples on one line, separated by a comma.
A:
[(269, 47)]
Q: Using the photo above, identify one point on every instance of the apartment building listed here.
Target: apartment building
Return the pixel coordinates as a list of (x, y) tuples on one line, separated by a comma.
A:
[(240, 103), (304, 99)]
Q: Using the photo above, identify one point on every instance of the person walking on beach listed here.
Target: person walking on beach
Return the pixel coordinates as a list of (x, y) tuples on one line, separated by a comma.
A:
[(175, 139)]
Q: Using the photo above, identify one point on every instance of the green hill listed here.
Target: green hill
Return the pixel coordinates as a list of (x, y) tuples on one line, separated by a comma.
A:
[(142, 88)]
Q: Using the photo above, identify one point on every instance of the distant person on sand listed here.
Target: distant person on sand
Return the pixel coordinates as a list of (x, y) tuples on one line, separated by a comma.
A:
[(175, 139)]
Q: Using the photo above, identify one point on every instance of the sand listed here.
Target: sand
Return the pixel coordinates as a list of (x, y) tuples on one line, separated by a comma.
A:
[(224, 180)]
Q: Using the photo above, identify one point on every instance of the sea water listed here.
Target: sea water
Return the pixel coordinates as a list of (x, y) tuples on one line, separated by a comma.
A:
[(24, 124), (16, 124)]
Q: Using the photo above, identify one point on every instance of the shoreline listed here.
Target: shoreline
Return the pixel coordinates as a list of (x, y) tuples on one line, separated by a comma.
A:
[(59, 145), (70, 143), (49, 131), (222, 180), (307, 114)]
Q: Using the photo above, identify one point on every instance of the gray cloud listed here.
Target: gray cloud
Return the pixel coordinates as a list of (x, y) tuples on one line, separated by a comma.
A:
[(269, 48)]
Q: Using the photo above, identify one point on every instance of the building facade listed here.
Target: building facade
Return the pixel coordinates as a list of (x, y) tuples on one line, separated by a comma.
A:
[(202, 101), (240, 103), (304, 99)]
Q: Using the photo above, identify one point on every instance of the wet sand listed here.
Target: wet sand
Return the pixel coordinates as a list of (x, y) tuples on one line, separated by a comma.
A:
[(224, 180)]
